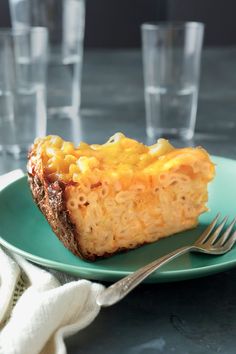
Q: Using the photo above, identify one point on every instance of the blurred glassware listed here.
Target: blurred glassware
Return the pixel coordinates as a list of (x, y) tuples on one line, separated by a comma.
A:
[(171, 63), (65, 20), (23, 62)]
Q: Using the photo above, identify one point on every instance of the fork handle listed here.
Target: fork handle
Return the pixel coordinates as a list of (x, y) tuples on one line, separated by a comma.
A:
[(121, 288)]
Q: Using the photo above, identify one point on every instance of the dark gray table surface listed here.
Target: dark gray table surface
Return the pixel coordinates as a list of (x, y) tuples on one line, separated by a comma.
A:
[(195, 316)]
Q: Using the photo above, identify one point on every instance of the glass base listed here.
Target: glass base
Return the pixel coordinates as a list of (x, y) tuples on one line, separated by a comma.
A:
[(17, 151), (62, 112), (182, 134)]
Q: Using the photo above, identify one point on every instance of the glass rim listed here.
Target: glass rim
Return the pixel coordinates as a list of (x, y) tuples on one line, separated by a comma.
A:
[(150, 26), (9, 31)]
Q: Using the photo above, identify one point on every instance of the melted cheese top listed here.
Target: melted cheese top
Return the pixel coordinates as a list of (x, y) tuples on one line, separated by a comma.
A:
[(119, 156)]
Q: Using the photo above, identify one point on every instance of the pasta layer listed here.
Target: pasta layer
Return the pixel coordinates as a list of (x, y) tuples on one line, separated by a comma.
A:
[(123, 194)]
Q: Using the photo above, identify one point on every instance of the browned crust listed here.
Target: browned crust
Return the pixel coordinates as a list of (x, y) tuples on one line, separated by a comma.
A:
[(50, 199)]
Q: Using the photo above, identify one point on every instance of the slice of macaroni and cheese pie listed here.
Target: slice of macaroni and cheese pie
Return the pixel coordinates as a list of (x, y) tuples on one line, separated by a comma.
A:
[(102, 199)]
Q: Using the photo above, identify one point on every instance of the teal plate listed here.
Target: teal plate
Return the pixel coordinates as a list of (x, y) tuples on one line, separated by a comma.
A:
[(24, 230)]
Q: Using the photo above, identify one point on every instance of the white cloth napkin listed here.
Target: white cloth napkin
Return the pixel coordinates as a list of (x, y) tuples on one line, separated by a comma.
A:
[(36, 311)]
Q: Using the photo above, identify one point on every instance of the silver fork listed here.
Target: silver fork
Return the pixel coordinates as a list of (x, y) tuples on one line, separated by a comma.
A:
[(211, 242)]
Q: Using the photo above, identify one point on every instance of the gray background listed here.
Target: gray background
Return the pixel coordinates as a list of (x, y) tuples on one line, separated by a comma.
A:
[(115, 23)]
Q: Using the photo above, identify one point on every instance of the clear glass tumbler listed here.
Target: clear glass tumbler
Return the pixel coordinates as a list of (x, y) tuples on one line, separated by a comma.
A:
[(65, 21), (171, 63), (23, 62)]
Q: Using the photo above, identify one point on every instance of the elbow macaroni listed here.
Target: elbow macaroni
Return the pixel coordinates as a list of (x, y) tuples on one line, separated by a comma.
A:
[(123, 193)]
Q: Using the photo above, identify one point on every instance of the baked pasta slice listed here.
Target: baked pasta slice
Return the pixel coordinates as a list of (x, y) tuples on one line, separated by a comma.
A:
[(102, 199)]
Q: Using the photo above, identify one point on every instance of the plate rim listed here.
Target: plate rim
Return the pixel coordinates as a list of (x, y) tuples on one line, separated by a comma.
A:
[(94, 273)]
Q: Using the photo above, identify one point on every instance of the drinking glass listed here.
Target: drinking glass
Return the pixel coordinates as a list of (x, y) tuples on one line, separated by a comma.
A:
[(64, 20), (171, 63), (23, 56)]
